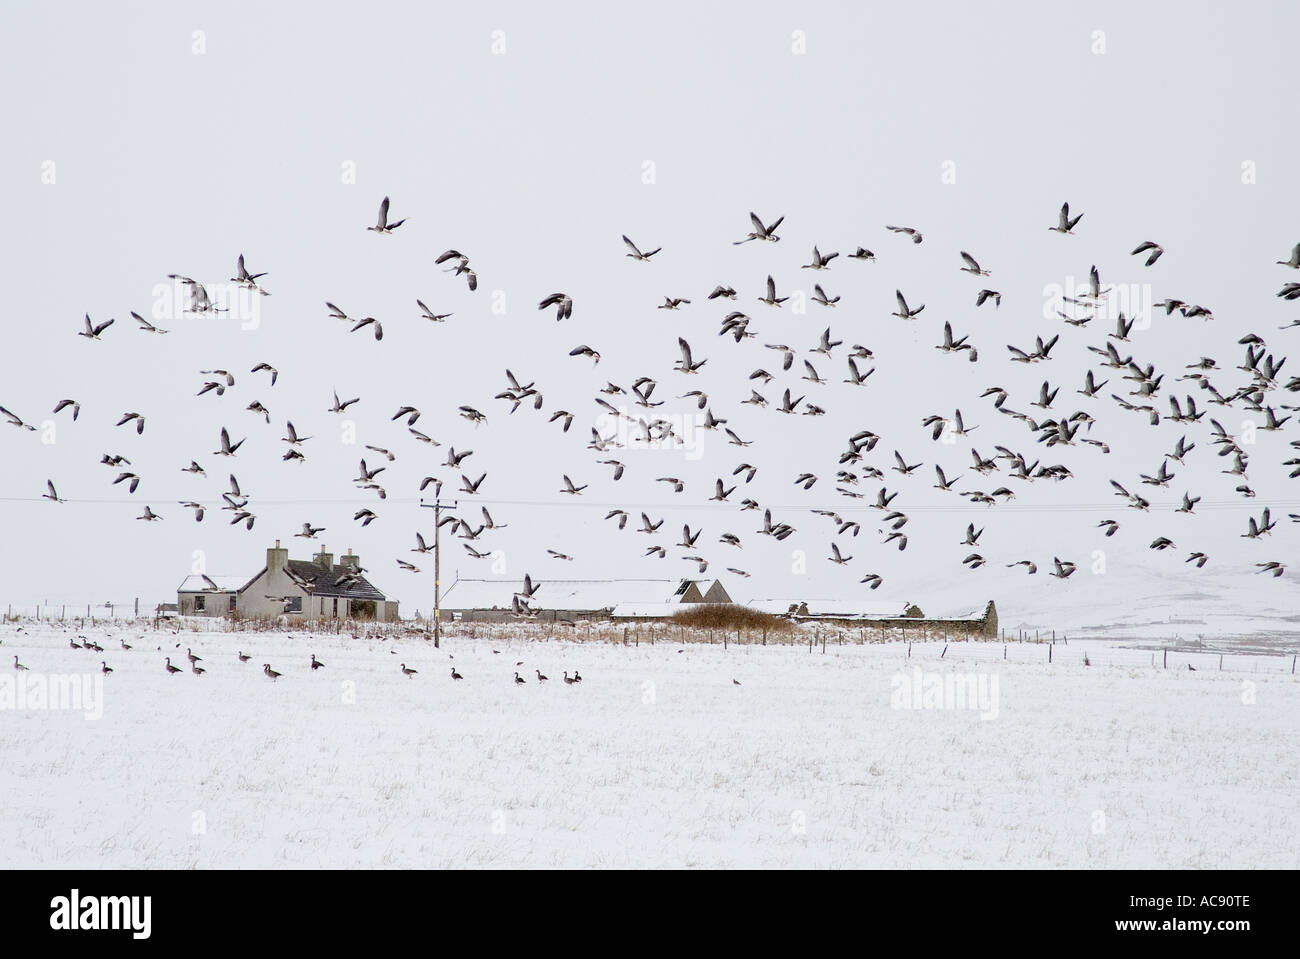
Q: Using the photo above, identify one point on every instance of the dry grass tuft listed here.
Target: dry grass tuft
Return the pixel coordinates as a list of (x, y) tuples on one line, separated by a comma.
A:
[(729, 616)]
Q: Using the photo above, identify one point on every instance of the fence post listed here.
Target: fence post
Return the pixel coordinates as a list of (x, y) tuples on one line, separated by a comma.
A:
[(1166, 660), (945, 651), (1049, 651), (1220, 662)]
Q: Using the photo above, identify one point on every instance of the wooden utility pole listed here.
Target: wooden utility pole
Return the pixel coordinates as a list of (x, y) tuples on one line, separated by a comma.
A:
[(436, 506)]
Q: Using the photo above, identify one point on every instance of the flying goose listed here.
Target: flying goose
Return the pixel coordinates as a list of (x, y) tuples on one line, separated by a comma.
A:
[(1294, 262), (761, 232), (672, 303), (570, 488), (726, 292), (200, 302), (904, 312), (1155, 249), (856, 378), (686, 364), (772, 299), (128, 417), (1065, 224), (149, 515), (145, 325), (819, 262), (819, 296), (428, 314), (226, 448), (786, 406), (247, 280), (53, 494), (1062, 570), (338, 406), (636, 254), (906, 231), (14, 420), (382, 225), (369, 320), (92, 332), (562, 302), (972, 266)]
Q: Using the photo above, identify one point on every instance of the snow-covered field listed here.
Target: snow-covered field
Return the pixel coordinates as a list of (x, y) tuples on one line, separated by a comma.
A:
[(657, 759)]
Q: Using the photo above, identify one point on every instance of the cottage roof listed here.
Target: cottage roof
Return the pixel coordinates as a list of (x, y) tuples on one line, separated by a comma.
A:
[(320, 580), (202, 583)]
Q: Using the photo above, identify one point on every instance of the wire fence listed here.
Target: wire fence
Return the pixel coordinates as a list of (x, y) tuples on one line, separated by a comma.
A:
[(924, 645), (67, 612)]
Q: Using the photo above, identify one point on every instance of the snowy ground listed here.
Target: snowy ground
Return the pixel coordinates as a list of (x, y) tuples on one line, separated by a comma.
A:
[(656, 760)]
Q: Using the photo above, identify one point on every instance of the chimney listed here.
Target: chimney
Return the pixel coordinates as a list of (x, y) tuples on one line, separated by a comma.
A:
[(323, 558), (350, 559), (276, 559)]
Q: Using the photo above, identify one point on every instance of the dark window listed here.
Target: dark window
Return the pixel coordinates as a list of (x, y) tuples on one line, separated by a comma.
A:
[(200, 603), (295, 605), (233, 599), (336, 607)]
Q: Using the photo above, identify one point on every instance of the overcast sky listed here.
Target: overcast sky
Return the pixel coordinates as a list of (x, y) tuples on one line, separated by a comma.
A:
[(147, 139)]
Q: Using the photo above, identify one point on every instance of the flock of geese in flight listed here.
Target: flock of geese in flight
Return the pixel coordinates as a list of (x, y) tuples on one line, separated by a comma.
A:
[(1149, 399)]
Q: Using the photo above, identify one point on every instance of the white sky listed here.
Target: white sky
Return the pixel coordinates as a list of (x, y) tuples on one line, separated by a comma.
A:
[(532, 162)]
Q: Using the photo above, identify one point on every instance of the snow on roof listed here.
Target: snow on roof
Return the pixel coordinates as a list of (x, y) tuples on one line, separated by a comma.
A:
[(832, 607), (860, 609), (648, 610), (211, 584), (577, 594)]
